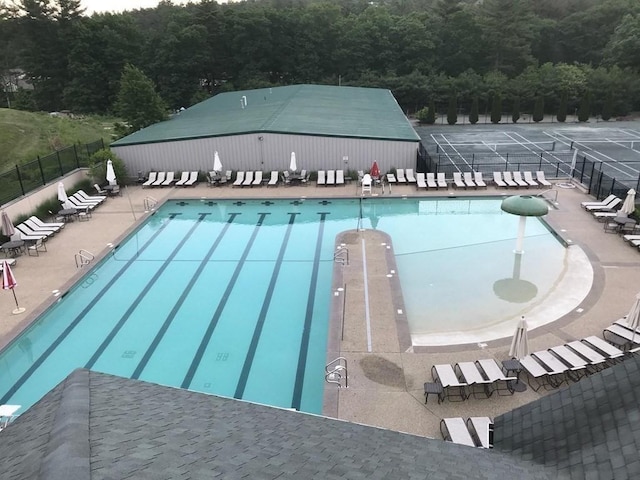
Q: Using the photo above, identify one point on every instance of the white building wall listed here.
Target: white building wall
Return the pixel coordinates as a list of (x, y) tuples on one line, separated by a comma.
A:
[(266, 151)]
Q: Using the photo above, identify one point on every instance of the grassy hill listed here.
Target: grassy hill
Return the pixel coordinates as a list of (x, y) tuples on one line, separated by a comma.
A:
[(25, 135)]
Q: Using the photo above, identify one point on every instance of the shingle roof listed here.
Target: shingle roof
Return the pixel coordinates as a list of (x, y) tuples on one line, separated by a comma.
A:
[(99, 426), (589, 430), (297, 109)]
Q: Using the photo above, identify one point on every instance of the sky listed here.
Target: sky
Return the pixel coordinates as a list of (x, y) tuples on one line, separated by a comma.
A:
[(93, 6)]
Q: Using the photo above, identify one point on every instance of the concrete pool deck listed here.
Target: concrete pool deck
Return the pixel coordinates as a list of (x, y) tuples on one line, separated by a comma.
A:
[(386, 384)]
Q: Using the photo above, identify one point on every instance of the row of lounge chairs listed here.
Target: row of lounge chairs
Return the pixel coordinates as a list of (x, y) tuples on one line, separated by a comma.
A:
[(474, 432), (330, 177), (475, 180), (249, 179), (402, 177), (509, 179), (165, 179), (614, 222)]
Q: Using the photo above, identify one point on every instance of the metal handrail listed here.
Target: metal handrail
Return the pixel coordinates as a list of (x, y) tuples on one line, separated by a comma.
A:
[(83, 257), (340, 254), (555, 195), (336, 370)]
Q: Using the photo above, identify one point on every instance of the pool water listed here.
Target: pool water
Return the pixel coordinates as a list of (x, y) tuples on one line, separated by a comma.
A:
[(232, 297)]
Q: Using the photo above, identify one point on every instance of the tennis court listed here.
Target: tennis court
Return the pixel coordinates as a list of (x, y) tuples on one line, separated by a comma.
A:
[(611, 149)]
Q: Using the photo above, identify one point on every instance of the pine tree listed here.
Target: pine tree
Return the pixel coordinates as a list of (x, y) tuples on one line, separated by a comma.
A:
[(583, 109), (452, 112), (515, 116), (538, 109), (473, 116), (431, 114), (562, 108), (496, 109), (607, 108), (138, 103)]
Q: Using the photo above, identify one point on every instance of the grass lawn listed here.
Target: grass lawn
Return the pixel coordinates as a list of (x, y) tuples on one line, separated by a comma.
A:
[(25, 135)]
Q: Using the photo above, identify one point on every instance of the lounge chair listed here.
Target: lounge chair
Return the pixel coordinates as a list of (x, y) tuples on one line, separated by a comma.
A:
[(24, 237), (506, 176), (239, 179), (90, 198), (541, 179), (28, 233), (248, 179), (193, 179), (611, 352), (79, 199), (499, 381), (451, 384), (468, 180), (420, 181), (469, 373), (441, 180), (410, 176), (184, 176), (497, 179), (168, 179), (557, 368), (339, 177), (159, 179), (400, 175), (37, 247), (431, 181), (544, 376), (477, 177), (273, 181), (528, 177), (257, 179), (321, 178), (517, 177), (78, 205), (479, 428), (456, 431), (596, 360), (391, 178), (100, 190), (626, 335), (331, 177), (603, 216), (457, 180), (577, 365), (29, 223), (599, 202), (609, 206), (40, 223), (366, 184), (153, 176), (226, 177)]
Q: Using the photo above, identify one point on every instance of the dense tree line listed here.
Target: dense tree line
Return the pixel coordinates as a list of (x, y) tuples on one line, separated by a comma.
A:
[(495, 52)]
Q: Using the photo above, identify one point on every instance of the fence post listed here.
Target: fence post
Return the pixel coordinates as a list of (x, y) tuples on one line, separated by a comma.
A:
[(75, 152), (41, 171), (20, 180), (59, 162)]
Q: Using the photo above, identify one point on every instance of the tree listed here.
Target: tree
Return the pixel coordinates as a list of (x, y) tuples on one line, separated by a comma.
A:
[(473, 115), (431, 114), (515, 116), (584, 109), (138, 103), (607, 108), (452, 112), (562, 108), (623, 48), (538, 109), (496, 109)]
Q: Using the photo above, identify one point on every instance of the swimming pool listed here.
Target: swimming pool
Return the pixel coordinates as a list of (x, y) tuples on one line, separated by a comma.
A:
[(232, 297)]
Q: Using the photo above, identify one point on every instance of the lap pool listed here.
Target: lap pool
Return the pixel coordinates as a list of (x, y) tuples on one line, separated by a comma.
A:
[(232, 297)]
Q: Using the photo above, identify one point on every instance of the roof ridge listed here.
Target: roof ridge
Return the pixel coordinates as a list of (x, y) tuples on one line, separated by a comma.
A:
[(68, 450)]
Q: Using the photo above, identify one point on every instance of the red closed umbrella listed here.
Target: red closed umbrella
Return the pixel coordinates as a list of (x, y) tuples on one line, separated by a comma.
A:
[(9, 283), (375, 171)]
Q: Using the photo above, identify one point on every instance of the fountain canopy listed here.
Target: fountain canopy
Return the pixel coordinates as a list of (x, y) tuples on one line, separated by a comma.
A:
[(525, 206)]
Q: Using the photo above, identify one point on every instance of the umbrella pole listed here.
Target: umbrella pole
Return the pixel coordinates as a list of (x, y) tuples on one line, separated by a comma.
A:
[(18, 309)]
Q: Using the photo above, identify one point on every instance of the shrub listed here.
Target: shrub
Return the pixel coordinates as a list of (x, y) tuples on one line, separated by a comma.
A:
[(98, 167), (562, 108), (515, 116), (473, 115), (452, 112), (538, 109)]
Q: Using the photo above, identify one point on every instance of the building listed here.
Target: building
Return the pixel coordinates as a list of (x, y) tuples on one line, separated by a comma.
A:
[(328, 127)]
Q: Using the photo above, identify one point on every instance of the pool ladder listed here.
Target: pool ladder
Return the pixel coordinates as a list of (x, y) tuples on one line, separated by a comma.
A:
[(149, 203), (341, 256), (83, 257), (336, 372)]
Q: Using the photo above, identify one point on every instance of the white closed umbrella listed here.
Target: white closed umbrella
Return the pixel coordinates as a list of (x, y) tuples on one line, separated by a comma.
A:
[(629, 205), (217, 164), (293, 166), (111, 174), (520, 342), (6, 226), (633, 318), (62, 195)]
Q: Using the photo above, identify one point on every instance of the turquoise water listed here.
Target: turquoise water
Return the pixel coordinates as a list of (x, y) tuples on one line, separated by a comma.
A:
[(231, 297)]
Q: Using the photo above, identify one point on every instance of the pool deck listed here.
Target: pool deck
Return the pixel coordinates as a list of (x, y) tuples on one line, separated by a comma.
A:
[(386, 376)]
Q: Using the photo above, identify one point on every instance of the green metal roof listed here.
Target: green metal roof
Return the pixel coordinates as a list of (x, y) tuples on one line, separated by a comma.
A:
[(298, 109)]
